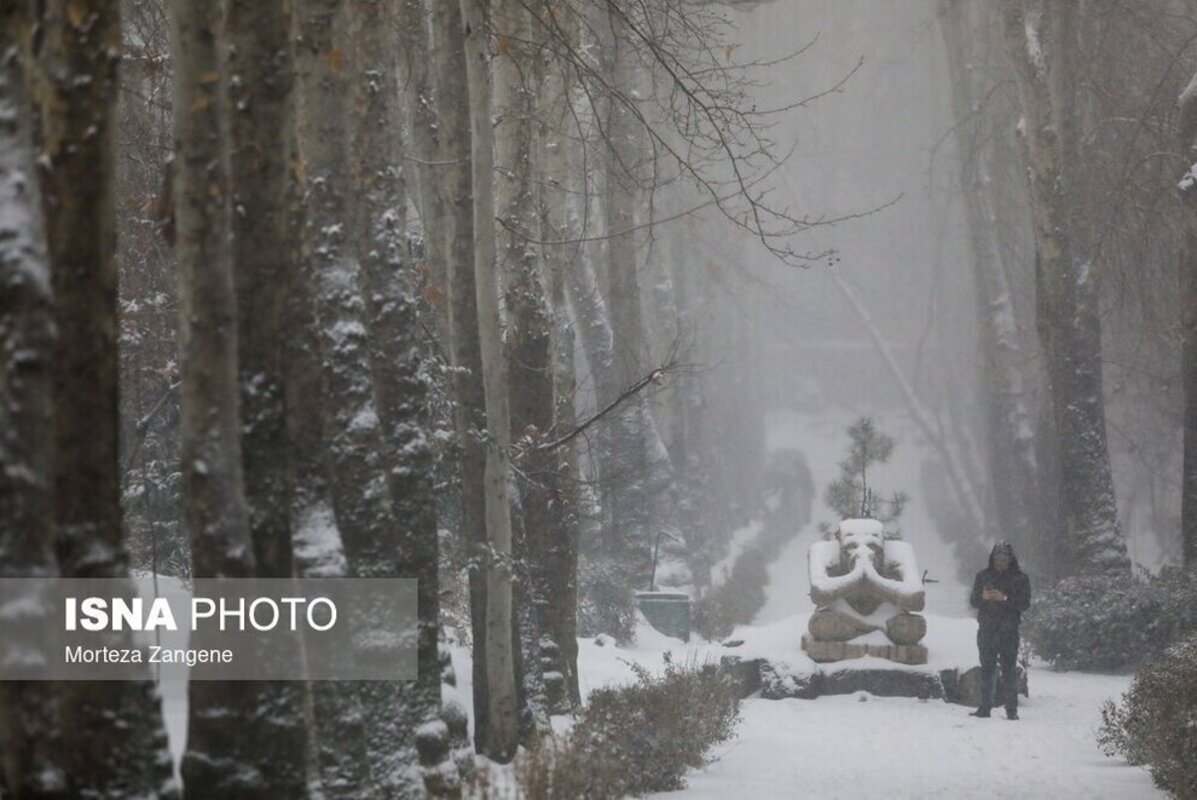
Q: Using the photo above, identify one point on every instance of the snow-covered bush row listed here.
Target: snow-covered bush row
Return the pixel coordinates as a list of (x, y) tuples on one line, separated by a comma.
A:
[(1156, 722), (1111, 622), (737, 600), (635, 739)]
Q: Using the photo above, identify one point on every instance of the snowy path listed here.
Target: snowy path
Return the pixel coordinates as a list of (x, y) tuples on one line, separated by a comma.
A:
[(889, 747)]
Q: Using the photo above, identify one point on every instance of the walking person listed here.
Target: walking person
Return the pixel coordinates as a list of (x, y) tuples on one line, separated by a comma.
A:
[(1000, 594)]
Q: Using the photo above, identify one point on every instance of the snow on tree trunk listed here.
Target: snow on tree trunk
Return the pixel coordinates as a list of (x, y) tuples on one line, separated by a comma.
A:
[(501, 737), (454, 185), (400, 383), (528, 337), (559, 564), (626, 478), (1011, 435), (1188, 278), (221, 760), (365, 750), (260, 81), (115, 743), (1039, 41), (30, 723)]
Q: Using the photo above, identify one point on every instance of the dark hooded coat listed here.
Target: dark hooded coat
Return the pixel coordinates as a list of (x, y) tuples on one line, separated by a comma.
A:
[(1013, 582)]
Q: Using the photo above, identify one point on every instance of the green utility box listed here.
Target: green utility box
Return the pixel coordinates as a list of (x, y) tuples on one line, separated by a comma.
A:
[(668, 612)]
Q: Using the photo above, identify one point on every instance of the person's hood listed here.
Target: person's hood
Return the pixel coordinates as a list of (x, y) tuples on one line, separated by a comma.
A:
[(1007, 548)]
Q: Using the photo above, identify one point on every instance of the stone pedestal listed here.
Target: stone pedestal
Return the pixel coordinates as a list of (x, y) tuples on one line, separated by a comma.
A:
[(824, 652)]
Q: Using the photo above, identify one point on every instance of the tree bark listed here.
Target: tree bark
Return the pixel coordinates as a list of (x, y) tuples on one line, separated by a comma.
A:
[(401, 390), (260, 74), (557, 570), (502, 736), (1040, 38), (1015, 470), (115, 743), (1188, 282), (366, 731), (220, 761), (528, 339), (30, 723), (453, 183)]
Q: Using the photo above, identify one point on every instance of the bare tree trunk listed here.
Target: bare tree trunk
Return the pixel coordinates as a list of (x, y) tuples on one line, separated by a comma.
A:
[(422, 156), (626, 476), (1013, 466), (1039, 34), (220, 761), (395, 354), (30, 723), (366, 731), (1188, 278), (115, 743), (349, 419), (260, 73), (502, 735), (528, 338), (558, 568), (454, 176)]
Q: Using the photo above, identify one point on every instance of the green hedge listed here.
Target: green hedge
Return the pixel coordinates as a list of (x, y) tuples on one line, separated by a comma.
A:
[(1111, 622), (1156, 722)]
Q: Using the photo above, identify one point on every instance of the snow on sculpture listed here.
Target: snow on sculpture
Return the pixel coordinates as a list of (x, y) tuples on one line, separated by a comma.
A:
[(867, 589)]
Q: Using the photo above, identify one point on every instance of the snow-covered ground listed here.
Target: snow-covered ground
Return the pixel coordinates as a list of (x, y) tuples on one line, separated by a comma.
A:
[(861, 746), (868, 747)]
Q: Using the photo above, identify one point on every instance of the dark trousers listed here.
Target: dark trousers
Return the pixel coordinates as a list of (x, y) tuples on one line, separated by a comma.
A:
[(999, 646)]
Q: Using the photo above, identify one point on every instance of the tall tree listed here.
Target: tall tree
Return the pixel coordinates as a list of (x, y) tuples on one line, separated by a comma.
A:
[(1011, 434), (527, 336), (115, 743), (558, 565), (390, 283), (454, 186), (220, 761), (1041, 38), (30, 726), (259, 72), (502, 735), (366, 732), (1188, 278)]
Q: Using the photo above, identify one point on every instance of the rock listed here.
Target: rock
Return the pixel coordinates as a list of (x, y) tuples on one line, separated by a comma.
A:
[(746, 674), (733, 643), (906, 628), (882, 683), (827, 625), (823, 652), (778, 685), (964, 688)]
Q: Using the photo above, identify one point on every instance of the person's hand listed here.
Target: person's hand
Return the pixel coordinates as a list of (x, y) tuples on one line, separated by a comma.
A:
[(993, 594)]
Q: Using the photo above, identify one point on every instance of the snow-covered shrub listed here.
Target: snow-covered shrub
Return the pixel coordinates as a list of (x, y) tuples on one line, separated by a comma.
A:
[(606, 602), (632, 740), (1156, 722), (1110, 622)]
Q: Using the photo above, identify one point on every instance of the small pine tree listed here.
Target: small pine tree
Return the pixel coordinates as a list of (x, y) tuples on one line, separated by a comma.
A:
[(850, 495)]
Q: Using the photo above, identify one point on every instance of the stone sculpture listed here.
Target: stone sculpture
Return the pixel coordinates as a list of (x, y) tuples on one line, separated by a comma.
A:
[(867, 589)]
